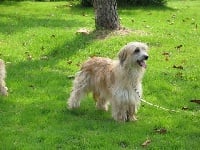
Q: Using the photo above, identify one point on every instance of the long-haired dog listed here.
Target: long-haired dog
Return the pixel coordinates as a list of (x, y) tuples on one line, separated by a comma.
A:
[(3, 88), (115, 82)]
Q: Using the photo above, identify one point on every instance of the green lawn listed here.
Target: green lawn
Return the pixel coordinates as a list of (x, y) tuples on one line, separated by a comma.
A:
[(38, 40)]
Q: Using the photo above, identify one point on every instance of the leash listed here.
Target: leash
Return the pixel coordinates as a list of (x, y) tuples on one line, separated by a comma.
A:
[(166, 109)]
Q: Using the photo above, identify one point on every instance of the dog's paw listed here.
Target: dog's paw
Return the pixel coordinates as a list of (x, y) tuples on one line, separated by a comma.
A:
[(132, 118), (4, 91), (102, 107), (73, 105)]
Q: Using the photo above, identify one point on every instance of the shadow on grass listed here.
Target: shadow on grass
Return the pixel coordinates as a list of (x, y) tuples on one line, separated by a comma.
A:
[(80, 41), (23, 23), (78, 7), (9, 3), (147, 8)]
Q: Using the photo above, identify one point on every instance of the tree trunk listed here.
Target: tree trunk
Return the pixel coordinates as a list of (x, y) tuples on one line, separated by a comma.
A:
[(106, 16)]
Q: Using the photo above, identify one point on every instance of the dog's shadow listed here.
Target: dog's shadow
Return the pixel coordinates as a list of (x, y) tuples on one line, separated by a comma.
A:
[(90, 114), (88, 111)]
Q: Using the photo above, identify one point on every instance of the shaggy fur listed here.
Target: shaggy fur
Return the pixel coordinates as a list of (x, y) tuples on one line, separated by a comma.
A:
[(3, 88), (115, 82)]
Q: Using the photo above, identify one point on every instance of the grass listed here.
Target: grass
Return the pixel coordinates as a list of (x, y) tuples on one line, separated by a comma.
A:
[(38, 40)]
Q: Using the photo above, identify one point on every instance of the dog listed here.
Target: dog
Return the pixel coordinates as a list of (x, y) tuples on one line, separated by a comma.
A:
[(115, 82), (3, 88)]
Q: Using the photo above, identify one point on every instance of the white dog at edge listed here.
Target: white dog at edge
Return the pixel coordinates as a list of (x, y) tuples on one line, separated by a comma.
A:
[(3, 88), (115, 82)]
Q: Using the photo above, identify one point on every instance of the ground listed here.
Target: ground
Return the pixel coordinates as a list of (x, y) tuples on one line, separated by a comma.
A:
[(43, 51)]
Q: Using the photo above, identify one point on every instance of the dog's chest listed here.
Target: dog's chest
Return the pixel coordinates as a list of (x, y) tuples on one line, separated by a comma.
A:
[(125, 95)]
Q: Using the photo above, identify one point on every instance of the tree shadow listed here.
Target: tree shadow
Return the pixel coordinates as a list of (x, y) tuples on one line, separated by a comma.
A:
[(128, 7), (8, 3), (147, 8), (24, 22)]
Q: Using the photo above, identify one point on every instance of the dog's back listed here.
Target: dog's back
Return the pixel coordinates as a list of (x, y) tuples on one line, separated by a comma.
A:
[(100, 72)]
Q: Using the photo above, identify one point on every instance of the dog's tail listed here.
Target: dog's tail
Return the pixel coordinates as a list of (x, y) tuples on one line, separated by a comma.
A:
[(80, 89)]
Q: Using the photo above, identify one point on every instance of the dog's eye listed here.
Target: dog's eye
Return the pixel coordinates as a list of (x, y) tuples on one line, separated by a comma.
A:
[(137, 50)]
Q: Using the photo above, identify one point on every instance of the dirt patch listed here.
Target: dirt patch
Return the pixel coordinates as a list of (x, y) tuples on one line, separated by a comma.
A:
[(104, 34)]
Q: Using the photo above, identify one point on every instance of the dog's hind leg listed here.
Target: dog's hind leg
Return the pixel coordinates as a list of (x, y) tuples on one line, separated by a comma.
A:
[(80, 89), (102, 104)]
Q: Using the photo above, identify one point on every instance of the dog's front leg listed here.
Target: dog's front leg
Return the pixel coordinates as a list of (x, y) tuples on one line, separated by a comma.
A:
[(119, 112), (131, 113), (3, 88), (138, 90)]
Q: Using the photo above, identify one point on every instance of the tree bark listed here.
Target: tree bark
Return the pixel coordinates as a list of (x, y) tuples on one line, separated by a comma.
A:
[(106, 16)]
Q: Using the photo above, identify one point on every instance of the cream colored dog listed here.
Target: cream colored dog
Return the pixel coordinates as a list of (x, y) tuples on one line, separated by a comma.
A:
[(3, 88), (117, 82)]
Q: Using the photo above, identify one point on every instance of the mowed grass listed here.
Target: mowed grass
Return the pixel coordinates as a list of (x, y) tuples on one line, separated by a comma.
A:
[(38, 40)]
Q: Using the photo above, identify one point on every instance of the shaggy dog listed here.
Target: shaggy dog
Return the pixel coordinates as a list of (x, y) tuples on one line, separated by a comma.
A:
[(117, 82), (3, 88)]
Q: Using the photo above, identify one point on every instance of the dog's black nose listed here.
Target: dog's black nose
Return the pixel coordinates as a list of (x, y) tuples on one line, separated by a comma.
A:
[(146, 57)]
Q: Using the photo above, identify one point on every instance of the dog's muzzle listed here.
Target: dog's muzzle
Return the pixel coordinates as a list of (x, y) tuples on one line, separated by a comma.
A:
[(142, 62)]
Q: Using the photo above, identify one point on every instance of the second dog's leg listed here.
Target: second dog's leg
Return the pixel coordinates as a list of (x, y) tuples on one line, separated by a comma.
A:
[(3, 88), (102, 104)]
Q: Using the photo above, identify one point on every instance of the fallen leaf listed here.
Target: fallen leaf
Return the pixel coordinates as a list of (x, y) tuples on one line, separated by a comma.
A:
[(178, 47), (161, 130), (166, 53), (146, 143), (167, 58), (178, 67), (185, 108), (83, 31), (195, 101)]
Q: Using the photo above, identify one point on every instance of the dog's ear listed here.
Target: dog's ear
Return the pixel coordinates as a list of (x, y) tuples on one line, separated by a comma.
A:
[(122, 55)]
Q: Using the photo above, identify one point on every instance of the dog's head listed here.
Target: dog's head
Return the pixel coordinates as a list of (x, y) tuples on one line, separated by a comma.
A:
[(134, 54)]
